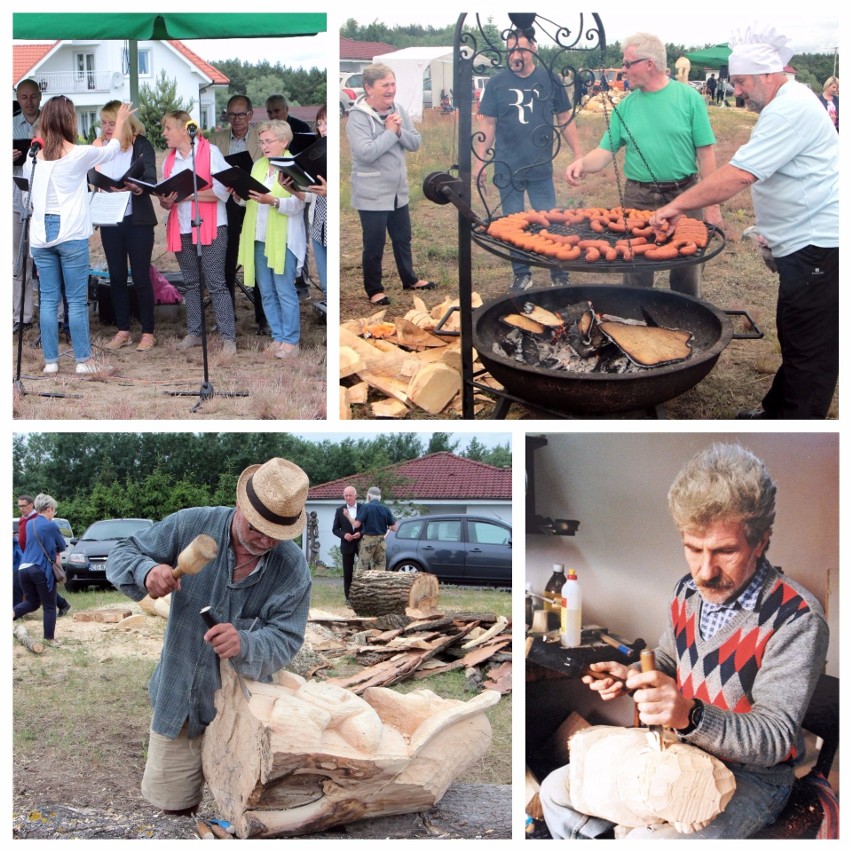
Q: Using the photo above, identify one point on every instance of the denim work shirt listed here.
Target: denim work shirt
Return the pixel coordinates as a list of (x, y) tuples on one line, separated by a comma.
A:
[(277, 594)]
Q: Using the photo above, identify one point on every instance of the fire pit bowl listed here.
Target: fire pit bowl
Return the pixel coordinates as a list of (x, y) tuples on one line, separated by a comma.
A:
[(605, 393)]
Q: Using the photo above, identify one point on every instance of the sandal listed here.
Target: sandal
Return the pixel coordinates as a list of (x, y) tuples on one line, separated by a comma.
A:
[(146, 343), (122, 338), (427, 285)]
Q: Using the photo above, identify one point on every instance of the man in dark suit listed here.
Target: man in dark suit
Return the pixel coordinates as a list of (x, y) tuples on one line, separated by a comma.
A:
[(349, 539)]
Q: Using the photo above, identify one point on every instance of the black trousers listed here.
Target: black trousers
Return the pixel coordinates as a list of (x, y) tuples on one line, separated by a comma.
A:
[(348, 568), (236, 215), (808, 323), (397, 224), (123, 242)]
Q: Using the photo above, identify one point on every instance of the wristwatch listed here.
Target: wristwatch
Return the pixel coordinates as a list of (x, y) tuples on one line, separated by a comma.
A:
[(696, 714)]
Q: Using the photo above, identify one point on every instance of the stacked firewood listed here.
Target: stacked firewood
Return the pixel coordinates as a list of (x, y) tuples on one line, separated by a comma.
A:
[(394, 366), (394, 648)]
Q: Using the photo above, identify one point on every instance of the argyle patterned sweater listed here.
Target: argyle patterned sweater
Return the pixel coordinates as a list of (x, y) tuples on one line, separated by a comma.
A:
[(755, 676)]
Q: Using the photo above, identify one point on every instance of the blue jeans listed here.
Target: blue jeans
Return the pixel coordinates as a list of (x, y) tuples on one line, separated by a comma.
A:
[(542, 196), (321, 258), (278, 292), (68, 262), (755, 803)]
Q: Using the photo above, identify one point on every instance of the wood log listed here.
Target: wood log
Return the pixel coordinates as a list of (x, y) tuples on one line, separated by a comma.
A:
[(434, 386), (23, 636), (344, 412), (388, 385), (350, 361), (391, 408), (158, 606), (302, 756), (380, 592), (621, 774), (103, 616)]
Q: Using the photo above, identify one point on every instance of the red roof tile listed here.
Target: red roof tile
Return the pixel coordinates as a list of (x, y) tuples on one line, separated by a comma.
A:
[(438, 476), (213, 73), (25, 57), (351, 49)]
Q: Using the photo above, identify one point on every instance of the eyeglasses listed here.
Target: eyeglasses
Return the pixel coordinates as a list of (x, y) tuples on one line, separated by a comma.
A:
[(233, 115), (631, 64)]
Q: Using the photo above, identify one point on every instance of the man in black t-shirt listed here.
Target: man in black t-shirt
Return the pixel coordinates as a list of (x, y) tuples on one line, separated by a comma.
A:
[(523, 111)]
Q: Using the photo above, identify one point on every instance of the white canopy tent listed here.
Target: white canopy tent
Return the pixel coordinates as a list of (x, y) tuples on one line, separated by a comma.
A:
[(409, 66)]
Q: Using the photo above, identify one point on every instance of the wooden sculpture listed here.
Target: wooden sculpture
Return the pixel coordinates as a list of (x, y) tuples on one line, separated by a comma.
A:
[(621, 774), (306, 755)]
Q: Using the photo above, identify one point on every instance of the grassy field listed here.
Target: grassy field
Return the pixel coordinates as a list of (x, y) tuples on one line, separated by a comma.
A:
[(81, 710), (734, 280)]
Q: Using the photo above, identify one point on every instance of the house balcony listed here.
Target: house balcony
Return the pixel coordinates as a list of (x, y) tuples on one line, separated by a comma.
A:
[(69, 82)]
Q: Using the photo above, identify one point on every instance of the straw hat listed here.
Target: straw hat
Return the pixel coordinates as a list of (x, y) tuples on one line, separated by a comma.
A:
[(272, 497)]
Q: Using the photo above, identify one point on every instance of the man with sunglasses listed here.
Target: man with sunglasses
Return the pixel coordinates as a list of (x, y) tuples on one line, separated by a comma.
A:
[(664, 127), (240, 137), (258, 587)]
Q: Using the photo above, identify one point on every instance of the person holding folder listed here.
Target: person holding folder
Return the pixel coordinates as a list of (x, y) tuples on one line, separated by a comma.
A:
[(273, 241), (132, 239), (61, 225), (181, 236)]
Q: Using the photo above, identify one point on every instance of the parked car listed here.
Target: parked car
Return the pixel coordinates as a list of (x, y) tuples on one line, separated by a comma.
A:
[(455, 548), (64, 528), (86, 563), (351, 89)]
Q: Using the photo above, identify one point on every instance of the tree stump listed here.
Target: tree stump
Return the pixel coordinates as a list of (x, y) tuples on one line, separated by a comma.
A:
[(375, 593), (303, 756)]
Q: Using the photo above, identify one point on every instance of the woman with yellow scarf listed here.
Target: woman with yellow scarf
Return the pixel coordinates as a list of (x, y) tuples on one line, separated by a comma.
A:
[(272, 241)]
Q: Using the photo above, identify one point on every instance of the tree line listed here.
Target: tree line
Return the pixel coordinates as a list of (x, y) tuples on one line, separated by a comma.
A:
[(149, 475), (300, 86), (812, 69)]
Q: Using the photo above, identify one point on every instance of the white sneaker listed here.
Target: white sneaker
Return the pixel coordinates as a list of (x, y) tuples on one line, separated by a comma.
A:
[(188, 342), (229, 347), (87, 367), (52, 367)]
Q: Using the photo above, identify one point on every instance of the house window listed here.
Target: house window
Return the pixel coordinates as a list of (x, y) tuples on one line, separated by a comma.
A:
[(84, 65), (87, 119), (145, 63)]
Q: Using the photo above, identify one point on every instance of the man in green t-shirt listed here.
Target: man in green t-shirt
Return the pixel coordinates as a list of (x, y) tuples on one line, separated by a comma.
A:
[(663, 125)]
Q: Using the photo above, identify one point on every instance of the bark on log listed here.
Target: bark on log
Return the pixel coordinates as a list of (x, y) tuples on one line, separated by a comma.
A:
[(302, 755), (23, 636), (381, 592)]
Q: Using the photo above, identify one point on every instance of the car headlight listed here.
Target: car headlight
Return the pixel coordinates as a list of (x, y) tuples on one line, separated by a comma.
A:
[(77, 559)]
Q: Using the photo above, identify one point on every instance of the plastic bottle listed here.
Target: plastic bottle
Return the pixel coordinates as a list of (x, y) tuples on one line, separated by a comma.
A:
[(553, 589), (572, 612)]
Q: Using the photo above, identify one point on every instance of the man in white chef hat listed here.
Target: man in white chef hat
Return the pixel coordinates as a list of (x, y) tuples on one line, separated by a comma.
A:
[(791, 164)]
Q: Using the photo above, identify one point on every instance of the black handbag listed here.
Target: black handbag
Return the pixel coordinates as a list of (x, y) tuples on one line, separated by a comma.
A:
[(58, 570)]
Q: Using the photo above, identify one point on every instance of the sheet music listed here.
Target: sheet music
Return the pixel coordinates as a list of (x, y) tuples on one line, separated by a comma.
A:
[(108, 208)]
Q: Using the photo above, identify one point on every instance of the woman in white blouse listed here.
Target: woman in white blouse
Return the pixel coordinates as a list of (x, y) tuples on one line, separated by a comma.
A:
[(61, 225), (132, 239), (273, 240)]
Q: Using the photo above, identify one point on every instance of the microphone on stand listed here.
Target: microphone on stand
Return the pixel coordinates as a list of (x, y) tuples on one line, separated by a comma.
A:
[(35, 146), (192, 128)]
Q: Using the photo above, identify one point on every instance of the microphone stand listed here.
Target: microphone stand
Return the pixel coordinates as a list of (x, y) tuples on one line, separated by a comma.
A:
[(22, 264), (206, 391)]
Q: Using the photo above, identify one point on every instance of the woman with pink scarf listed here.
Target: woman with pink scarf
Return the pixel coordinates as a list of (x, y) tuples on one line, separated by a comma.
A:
[(181, 235)]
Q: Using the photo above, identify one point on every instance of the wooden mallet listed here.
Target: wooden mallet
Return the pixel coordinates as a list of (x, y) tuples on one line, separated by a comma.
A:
[(195, 556)]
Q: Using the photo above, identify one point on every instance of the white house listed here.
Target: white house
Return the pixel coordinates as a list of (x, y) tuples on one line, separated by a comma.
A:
[(440, 483), (91, 73)]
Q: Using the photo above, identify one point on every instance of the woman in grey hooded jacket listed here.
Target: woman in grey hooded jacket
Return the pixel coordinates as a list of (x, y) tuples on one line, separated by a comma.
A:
[(379, 133)]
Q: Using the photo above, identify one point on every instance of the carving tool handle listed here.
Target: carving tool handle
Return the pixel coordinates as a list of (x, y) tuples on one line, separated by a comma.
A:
[(648, 661)]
